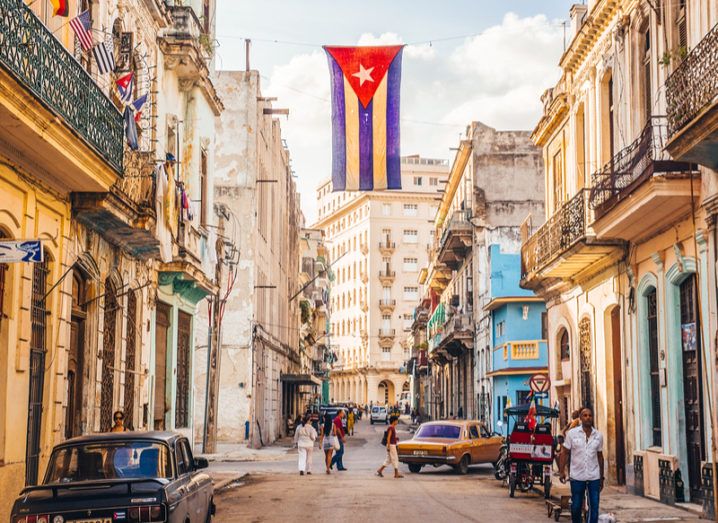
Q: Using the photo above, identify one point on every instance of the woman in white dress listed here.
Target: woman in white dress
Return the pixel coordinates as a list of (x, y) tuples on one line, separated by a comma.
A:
[(304, 438)]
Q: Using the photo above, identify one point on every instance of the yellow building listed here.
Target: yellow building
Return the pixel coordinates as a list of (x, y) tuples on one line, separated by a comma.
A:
[(623, 258)]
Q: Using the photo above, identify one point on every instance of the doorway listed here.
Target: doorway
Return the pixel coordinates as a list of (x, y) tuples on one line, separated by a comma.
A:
[(161, 339), (692, 384), (76, 359), (619, 436)]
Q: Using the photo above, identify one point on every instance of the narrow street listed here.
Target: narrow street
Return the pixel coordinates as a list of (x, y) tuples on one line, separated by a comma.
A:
[(273, 491)]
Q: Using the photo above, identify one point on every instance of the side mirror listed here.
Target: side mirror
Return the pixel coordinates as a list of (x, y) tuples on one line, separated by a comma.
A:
[(201, 463)]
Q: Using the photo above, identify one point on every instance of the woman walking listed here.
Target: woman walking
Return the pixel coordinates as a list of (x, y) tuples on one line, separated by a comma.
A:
[(304, 438), (392, 458), (327, 440), (350, 421)]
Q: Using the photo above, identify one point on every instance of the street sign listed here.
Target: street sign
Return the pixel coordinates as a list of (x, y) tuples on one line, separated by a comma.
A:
[(541, 395), (12, 251), (539, 383)]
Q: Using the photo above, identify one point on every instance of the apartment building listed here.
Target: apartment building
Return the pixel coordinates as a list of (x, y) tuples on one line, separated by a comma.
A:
[(378, 242)]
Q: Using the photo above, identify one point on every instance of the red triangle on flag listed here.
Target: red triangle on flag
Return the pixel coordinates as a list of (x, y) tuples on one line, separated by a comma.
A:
[(364, 67), (124, 81)]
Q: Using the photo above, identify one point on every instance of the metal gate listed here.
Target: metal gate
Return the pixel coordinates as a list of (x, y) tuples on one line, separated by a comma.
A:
[(184, 327), (37, 371), (130, 360), (108, 357), (585, 359)]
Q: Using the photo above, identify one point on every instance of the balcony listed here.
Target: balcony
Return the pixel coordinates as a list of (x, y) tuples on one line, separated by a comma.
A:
[(692, 99), (364, 248), (386, 337), (363, 305), (386, 277), (642, 189), (565, 249), (439, 276), (458, 335), (387, 247), (387, 306), (125, 215), (363, 277), (51, 112), (456, 240), (189, 273), (523, 354)]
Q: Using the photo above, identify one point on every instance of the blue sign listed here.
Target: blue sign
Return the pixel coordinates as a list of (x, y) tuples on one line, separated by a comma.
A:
[(12, 251), (541, 395)]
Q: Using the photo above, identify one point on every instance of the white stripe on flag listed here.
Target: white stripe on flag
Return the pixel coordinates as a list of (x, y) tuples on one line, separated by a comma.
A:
[(104, 58)]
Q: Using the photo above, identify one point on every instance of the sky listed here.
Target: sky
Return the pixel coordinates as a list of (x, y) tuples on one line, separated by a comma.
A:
[(466, 60)]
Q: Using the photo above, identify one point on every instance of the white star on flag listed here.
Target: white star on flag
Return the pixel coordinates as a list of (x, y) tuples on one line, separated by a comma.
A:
[(364, 75)]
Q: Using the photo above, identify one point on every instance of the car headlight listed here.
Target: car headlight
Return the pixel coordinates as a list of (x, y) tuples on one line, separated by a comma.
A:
[(58, 519)]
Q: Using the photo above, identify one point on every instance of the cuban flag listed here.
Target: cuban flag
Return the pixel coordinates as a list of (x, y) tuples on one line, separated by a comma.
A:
[(125, 87), (366, 83)]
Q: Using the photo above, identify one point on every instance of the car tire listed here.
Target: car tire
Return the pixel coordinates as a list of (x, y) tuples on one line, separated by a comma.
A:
[(463, 466), (415, 468)]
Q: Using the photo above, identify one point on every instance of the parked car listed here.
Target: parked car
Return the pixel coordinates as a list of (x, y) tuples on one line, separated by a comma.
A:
[(457, 443), (120, 476), (379, 414)]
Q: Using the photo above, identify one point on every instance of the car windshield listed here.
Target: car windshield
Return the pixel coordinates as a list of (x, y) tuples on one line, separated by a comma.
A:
[(439, 431), (378, 409), (109, 460)]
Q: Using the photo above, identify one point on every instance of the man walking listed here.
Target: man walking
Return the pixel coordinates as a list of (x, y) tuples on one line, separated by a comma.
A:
[(392, 457), (337, 459), (584, 445)]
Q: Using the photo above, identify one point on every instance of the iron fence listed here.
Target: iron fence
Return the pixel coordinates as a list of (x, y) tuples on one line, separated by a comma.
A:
[(32, 54)]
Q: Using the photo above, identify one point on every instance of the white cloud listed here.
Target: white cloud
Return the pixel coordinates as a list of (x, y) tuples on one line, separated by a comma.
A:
[(496, 77)]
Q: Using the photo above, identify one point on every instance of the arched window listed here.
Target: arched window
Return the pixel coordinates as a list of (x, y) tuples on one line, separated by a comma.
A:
[(108, 356), (564, 346), (130, 359), (586, 364)]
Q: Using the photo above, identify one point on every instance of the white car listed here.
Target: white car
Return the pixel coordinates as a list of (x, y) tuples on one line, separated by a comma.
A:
[(379, 414)]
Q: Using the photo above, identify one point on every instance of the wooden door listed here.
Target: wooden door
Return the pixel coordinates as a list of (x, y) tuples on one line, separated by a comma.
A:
[(692, 385), (619, 437), (161, 337), (184, 332)]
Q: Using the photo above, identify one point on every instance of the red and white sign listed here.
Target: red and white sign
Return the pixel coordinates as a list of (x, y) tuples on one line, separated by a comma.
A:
[(539, 383)]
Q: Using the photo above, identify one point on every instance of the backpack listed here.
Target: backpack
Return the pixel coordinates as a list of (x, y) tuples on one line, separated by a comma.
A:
[(385, 437)]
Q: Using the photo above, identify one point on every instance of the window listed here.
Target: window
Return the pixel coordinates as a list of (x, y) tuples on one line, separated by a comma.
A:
[(386, 293), (474, 432), (652, 317), (544, 325), (411, 264), (433, 181), (204, 194), (411, 293), (500, 328), (386, 209), (386, 260), (411, 236), (411, 209), (564, 347), (522, 397), (559, 193), (408, 322), (418, 180)]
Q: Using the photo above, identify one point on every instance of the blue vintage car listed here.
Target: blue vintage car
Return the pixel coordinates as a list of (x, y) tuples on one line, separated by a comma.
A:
[(120, 477)]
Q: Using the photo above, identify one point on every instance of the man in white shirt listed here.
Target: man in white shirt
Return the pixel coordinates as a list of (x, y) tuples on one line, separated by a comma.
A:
[(584, 445)]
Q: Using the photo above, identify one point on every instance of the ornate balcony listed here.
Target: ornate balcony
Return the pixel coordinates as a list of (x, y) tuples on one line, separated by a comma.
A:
[(642, 189), (386, 337), (456, 240), (692, 98), (386, 276), (49, 101), (387, 306), (565, 247), (457, 335), (387, 247)]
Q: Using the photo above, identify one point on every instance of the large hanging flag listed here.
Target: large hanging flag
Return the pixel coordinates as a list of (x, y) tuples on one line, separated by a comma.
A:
[(82, 26), (137, 106), (130, 128), (104, 58), (124, 86), (60, 7), (365, 117)]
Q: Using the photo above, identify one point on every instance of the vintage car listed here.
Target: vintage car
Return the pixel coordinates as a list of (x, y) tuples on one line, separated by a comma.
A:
[(120, 477), (457, 443)]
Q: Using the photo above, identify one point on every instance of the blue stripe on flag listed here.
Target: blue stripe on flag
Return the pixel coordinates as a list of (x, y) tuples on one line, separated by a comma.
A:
[(339, 144)]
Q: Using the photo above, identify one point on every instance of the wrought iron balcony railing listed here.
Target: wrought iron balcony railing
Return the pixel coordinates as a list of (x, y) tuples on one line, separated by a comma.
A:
[(560, 232), (633, 165), (387, 333), (694, 83), (30, 52), (387, 303), (459, 222)]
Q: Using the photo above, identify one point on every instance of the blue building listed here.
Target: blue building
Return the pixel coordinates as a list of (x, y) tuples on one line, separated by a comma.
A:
[(518, 339)]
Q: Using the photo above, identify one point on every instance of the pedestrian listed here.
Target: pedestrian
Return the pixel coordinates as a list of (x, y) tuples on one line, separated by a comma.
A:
[(350, 422), (392, 457), (327, 440), (119, 419), (575, 421), (304, 438), (338, 458), (584, 446)]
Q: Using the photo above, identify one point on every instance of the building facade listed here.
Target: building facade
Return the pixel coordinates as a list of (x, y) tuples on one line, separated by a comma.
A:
[(259, 345), (624, 260), (378, 242), (494, 183), (80, 326)]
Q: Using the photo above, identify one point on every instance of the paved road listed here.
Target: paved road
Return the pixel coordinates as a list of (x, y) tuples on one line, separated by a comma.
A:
[(274, 491)]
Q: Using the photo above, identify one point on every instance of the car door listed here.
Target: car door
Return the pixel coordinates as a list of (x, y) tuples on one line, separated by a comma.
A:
[(182, 509), (490, 445), (475, 442), (200, 486)]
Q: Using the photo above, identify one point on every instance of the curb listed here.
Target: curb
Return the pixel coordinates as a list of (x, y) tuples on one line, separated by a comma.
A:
[(222, 484)]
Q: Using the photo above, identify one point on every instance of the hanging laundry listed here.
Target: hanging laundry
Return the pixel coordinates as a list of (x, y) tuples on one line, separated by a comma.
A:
[(164, 234)]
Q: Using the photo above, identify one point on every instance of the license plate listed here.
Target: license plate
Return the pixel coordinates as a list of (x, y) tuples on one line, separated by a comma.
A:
[(91, 520), (420, 453)]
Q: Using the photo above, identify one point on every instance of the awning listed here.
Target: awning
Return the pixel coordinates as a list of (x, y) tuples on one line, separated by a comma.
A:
[(301, 379)]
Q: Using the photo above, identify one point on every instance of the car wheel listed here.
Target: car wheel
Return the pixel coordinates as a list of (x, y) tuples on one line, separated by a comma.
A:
[(414, 468), (463, 466)]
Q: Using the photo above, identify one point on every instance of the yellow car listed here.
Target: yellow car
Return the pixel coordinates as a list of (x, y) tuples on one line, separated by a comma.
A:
[(457, 443)]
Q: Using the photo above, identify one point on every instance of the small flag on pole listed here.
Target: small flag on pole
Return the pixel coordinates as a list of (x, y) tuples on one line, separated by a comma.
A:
[(60, 7), (104, 58), (82, 25), (124, 85), (130, 129), (137, 106)]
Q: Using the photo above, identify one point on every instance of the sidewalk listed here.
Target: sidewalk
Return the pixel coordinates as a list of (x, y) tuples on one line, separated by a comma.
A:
[(241, 452), (630, 508)]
